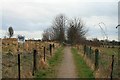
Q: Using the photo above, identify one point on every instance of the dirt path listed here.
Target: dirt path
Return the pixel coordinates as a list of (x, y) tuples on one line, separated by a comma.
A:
[(67, 67)]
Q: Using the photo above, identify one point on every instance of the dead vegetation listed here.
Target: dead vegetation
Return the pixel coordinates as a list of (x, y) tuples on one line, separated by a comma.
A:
[(10, 58), (105, 59)]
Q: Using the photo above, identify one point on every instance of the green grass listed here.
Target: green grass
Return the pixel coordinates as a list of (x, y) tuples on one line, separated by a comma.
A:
[(53, 62), (82, 69), (105, 61), (109, 51)]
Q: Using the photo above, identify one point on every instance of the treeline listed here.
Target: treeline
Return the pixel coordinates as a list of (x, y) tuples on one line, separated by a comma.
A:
[(104, 43), (67, 30)]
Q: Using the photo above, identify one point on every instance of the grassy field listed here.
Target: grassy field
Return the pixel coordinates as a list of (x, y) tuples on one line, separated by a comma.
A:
[(50, 72), (83, 70), (10, 65), (9, 62), (105, 59), (10, 59), (108, 51)]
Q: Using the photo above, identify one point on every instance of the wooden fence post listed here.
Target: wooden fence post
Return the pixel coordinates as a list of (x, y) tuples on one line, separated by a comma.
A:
[(112, 64), (50, 46), (90, 52), (18, 65), (53, 45), (44, 53), (87, 50), (96, 59), (34, 60), (84, 49)]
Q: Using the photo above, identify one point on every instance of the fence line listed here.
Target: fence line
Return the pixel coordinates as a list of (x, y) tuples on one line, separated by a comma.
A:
[(106, 65), (26, 62)]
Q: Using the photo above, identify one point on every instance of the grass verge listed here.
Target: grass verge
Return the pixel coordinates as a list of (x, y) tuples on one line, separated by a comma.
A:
[(53, 62), (82, 69)]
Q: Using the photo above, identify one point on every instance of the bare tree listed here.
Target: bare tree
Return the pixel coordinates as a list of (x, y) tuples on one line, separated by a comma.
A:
[(11, 32), (96, 42), (76, 31), (45, 35), (58, 27), (48, 34)]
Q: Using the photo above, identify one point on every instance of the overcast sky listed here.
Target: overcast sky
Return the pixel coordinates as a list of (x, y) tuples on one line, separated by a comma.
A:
[(32, 17)]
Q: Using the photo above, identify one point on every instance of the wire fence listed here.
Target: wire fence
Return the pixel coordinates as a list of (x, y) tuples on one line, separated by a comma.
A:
[(103, 61), (27, 66)]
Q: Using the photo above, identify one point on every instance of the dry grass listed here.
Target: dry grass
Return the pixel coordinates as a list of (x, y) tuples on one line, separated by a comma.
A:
[(105, 59), (9, 58)]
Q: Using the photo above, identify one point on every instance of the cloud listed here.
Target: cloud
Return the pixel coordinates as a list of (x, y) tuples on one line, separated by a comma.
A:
[(30, 35), (111, 37), (94, 30), (27, 34), (34, 16)]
